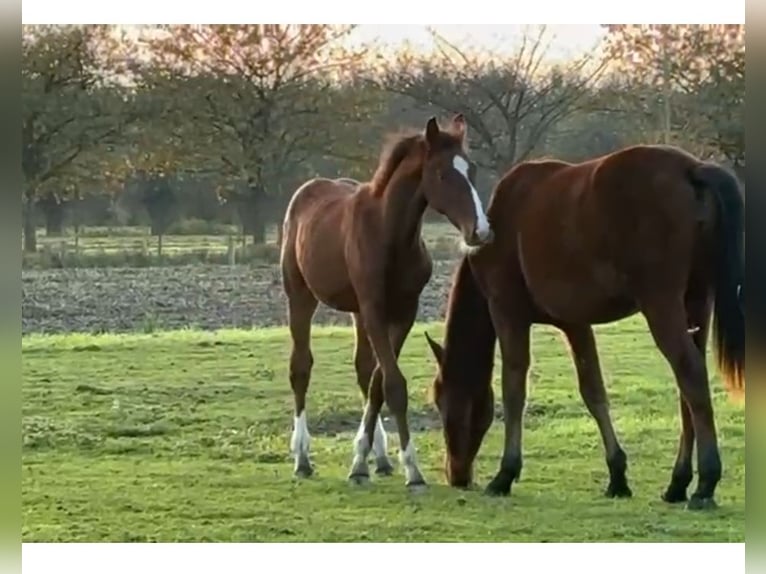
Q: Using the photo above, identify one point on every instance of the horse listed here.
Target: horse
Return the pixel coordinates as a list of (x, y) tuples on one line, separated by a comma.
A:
[(358, 249), (646, 229)]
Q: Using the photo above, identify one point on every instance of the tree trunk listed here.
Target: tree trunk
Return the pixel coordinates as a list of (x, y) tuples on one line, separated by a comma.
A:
[(54, 220), (252, 213), (30, 229), (258, 231), (54, 211)]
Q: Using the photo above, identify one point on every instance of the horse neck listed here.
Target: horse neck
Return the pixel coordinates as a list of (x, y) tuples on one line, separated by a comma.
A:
[(469, 344), (403, 209)]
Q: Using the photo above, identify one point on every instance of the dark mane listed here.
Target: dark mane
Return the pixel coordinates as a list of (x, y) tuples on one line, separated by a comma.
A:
[(398, 146), (469, 343)]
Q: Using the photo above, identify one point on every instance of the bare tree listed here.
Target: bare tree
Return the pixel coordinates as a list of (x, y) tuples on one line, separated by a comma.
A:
[(510, 103), (700, 72)]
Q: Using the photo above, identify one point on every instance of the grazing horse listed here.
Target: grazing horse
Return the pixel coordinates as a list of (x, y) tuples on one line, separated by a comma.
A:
[(647, 229), (358, 249)]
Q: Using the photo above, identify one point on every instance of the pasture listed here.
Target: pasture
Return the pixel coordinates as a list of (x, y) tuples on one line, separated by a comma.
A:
[(184, 436)]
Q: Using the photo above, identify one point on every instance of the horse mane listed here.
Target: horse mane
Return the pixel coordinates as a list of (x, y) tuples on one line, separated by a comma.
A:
[(469, 343), (397, 147), (395, 150)]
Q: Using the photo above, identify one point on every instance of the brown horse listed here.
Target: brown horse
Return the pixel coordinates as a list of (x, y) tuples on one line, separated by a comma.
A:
[(647, 229), (358, 249)]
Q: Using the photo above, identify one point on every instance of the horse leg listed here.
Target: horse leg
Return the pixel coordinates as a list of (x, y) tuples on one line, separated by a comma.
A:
[(668, 324), (591, 384), (301, 307), (698, 311), (364, 363), (514, 350), (387, 341)]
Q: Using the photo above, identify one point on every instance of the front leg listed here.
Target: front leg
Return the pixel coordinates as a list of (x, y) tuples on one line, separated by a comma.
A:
[(387, 382), (591, 383), (364, 363), (514, 349)]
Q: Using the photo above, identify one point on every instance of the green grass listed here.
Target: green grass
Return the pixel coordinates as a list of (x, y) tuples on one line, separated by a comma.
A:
[(184, 436)]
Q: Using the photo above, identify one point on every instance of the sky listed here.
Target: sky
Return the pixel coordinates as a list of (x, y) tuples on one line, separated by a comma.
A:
[(566, 41)]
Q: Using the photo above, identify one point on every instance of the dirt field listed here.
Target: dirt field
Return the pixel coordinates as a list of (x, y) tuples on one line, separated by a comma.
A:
[(160, 298)]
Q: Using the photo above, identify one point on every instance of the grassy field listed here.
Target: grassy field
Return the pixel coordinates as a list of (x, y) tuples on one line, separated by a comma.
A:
[(183, 436)]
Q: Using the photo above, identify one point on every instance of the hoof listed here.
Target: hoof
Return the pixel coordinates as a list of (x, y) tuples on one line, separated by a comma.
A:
[(417, 487), (303, 471), (384, 468), (498, 488), (699, 503), (358, 479), (618, 491), (674, 496)]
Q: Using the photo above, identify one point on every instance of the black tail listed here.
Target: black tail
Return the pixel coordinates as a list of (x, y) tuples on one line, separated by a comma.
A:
[(729, 314)]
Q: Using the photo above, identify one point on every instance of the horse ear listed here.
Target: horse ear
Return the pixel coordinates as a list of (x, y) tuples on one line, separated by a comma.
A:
[(436, 349), (460, 126), (432, 131)]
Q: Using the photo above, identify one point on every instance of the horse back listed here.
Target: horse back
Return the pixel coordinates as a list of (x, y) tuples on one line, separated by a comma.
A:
[(629, 199), (319, 194)]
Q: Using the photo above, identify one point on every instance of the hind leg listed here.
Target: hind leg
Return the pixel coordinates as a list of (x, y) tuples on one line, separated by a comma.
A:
[(698, 311), (301, 307), (668, 323), (591, 383), (364, 363)]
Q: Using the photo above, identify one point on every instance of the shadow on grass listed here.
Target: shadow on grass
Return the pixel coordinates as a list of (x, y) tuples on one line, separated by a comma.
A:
[(338, 421), (421, 419)]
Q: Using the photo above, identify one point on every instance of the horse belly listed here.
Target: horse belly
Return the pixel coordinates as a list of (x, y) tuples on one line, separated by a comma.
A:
[(329, 282), (580, 293), (569, 303), (323, 267)]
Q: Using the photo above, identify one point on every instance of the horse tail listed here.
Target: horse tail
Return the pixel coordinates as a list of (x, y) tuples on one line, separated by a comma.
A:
[(728, 314)]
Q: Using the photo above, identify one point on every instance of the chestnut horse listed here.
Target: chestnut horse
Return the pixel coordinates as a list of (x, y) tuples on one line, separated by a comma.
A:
[(647, 229), (358, 249)]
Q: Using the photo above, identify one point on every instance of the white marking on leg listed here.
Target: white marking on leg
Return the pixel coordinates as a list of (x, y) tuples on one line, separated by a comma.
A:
[(379, 440), (300, 440), (466, 249), (409, 461), (361, 441), (361, 451), (482, 223)]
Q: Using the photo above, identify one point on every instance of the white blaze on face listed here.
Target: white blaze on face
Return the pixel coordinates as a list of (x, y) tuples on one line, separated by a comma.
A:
[(482, 224)]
